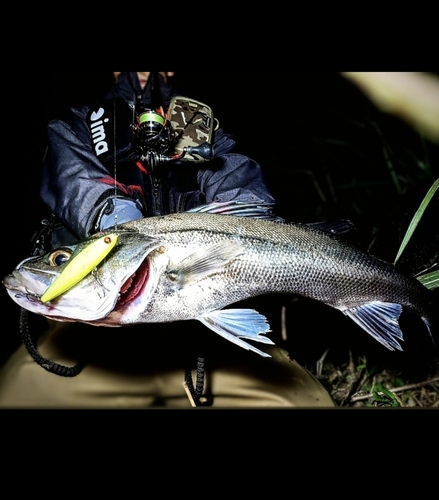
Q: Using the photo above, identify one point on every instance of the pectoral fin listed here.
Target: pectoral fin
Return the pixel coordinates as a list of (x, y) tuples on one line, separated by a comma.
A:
[(204, 262), (237, 324)]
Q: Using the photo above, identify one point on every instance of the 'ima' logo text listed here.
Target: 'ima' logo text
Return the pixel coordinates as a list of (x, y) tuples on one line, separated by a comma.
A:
[(98, 131)]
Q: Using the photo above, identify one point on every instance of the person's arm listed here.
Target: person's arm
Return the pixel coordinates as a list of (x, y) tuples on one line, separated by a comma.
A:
[(227, 177), (76, 186), (236, 177), (232, 176)]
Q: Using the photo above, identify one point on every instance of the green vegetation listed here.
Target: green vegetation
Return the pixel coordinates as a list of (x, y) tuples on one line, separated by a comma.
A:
[(430, 280)]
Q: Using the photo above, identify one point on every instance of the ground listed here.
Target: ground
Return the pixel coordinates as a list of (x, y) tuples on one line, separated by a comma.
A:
[(351, 384)]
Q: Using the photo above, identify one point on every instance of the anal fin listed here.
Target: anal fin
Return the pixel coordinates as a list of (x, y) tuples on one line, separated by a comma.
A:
[(380, 320)]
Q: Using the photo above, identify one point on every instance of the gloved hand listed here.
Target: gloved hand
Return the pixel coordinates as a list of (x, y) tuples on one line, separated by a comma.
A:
[(118, 211)]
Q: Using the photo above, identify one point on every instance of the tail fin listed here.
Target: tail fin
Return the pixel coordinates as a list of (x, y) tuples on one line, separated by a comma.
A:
[(381, 321)]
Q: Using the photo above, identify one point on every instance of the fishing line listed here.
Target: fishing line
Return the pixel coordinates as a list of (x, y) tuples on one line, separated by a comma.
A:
[(114, 160), (135, 97)]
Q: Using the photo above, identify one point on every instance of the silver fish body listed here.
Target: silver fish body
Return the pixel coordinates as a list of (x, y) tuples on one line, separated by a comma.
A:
[(193, 265)]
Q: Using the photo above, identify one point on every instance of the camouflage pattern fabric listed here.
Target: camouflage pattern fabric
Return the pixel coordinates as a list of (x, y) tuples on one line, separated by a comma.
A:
[(193, 123)]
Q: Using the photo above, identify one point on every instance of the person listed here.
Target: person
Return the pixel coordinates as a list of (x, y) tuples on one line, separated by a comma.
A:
[(100, 170)]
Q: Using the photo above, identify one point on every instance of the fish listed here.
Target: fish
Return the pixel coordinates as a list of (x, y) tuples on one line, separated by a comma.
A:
[(199, 264)]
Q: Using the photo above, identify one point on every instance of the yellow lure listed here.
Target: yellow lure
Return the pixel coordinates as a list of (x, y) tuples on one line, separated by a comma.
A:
[(80, 266)]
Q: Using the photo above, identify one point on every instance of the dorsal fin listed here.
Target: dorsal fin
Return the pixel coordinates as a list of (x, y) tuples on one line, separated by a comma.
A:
[(334, 228)]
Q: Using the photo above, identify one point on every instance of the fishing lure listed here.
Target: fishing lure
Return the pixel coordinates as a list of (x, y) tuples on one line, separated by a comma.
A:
[(81, 265)]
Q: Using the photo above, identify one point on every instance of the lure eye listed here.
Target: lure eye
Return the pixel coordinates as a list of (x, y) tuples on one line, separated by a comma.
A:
[(59, 257)]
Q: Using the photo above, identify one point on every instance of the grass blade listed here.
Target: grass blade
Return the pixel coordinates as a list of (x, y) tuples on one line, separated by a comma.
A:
[(417, 217), (430, 280)]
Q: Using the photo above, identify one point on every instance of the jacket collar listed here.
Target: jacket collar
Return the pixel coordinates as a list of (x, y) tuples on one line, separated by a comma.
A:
[(128, 88)]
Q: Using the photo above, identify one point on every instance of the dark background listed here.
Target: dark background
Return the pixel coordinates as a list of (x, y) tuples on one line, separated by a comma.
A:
[(327, 153)]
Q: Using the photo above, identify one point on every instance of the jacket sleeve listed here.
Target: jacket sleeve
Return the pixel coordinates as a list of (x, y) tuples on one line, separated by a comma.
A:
[(75, 185), (237, 178), (232, 176)]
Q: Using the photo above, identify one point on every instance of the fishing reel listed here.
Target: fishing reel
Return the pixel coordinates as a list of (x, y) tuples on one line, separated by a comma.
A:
[(157, 141), (153, 135)]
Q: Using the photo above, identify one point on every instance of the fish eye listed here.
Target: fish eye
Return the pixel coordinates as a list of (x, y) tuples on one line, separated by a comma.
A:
[(59, 257)]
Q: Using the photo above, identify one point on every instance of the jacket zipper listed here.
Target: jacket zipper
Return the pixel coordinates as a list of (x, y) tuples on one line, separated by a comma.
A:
[(156, 192)]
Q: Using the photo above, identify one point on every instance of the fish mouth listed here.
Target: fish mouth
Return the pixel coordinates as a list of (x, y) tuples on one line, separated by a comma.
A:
[(133, 286)]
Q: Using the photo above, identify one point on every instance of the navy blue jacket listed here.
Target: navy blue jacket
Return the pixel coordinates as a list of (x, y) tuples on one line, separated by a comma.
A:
[(77, 186)]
